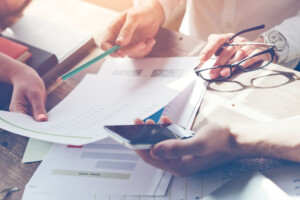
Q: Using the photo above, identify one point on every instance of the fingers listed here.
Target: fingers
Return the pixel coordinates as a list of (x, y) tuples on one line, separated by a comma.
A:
[(37, 101), (139, 50), (239, 55), (149, 121), (166, 120), (127, 30), (214, 43), (109, 39), (224, 58), (171, 149), (254, 60), (18, 104), (138, 121), (107, 45)]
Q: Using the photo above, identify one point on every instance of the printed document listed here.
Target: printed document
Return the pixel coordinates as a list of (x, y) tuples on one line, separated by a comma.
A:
[(101, 168), (123, 90)]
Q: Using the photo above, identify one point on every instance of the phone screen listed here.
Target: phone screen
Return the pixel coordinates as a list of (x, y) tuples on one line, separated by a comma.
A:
[(146, 134)]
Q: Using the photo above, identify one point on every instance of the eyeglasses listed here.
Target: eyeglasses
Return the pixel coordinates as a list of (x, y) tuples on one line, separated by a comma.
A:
[(267, 50)]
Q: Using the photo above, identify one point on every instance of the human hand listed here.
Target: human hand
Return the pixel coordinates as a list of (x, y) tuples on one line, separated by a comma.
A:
[(212, 145), (29, 94), (134, 30), (231, 54)]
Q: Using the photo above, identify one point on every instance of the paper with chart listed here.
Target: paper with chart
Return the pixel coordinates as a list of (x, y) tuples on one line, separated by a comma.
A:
[(182, 110), (104, 167), (123, 90)]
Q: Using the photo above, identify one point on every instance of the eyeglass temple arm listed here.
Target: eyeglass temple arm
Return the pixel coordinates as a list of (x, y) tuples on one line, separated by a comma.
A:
[(247, 30)]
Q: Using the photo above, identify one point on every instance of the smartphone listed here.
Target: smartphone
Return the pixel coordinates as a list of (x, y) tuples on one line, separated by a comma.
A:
[(144, 136)]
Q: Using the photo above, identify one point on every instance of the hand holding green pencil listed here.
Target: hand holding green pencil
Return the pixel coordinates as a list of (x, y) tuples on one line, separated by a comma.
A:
[(87, 64)]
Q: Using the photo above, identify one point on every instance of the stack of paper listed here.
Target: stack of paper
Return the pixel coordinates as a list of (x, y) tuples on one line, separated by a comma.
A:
[(100, 168), (104, 169), (123, 90)]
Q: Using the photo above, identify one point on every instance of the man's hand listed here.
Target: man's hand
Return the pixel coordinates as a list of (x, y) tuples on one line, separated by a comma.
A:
[(134, 30), (212, 145), (29, 94), (230, 54)]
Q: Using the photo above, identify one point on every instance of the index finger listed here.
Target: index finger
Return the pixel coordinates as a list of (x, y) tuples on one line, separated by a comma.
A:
[(214, 43)]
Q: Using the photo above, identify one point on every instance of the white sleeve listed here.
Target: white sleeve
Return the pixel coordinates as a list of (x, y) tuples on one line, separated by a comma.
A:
[(169, 6), (290, 29)]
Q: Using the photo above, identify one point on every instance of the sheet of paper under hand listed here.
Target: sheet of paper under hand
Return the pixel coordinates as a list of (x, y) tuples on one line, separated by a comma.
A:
[(123, 90)]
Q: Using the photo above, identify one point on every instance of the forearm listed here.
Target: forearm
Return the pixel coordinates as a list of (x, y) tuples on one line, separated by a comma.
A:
[(9, 68), (278, 139)]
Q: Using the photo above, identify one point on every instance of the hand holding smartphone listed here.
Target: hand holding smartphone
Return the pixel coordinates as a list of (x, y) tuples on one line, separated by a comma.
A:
[(146, 135)]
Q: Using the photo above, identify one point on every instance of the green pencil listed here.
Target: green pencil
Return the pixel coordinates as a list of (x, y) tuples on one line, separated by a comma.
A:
[(87, 64)]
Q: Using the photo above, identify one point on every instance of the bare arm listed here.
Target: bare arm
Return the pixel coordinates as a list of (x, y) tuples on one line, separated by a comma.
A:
[(278, 139)]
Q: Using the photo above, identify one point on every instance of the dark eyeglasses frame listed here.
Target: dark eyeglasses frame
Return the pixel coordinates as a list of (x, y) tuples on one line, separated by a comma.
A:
[(270, 50)]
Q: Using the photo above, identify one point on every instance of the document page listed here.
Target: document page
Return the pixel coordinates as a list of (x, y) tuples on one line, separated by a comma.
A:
[(104, 167), (123, 90), (284, 174)]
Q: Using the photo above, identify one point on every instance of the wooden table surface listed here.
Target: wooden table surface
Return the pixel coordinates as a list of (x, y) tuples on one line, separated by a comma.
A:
[(264, 95)]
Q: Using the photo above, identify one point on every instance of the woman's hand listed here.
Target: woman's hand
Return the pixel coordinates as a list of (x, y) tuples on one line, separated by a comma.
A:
[(134, 30), (29, 94), (212, 145), (231, 54)]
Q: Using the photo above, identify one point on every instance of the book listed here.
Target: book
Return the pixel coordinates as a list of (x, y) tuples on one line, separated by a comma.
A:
[(14, 50), (41, 61)]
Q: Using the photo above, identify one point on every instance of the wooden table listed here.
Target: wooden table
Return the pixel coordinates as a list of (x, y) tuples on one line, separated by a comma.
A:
[(268, 94)]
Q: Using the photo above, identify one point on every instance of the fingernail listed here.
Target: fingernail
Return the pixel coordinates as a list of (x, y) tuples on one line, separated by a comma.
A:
[(153, 42), (120, 38), (142, 45), (42, 117)]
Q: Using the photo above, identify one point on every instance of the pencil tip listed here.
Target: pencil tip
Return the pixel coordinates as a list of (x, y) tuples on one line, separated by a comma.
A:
[(59, 80)]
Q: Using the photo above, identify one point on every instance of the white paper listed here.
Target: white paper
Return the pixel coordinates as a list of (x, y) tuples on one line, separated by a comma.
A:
[(188, 188), (284, 174), (123, 90), (101, 168)]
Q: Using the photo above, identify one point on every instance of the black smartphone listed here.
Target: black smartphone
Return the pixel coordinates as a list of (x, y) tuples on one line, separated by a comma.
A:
[(144, 136)]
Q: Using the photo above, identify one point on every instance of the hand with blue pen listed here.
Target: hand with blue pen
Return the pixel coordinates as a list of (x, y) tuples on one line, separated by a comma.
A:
[(134, 30)]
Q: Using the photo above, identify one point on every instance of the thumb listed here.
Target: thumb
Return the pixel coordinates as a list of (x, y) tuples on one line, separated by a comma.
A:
[(127, 31), (38, 107), (174, 148)]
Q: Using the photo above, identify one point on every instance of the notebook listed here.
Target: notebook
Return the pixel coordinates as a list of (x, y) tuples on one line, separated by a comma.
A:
[(14, 50)]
